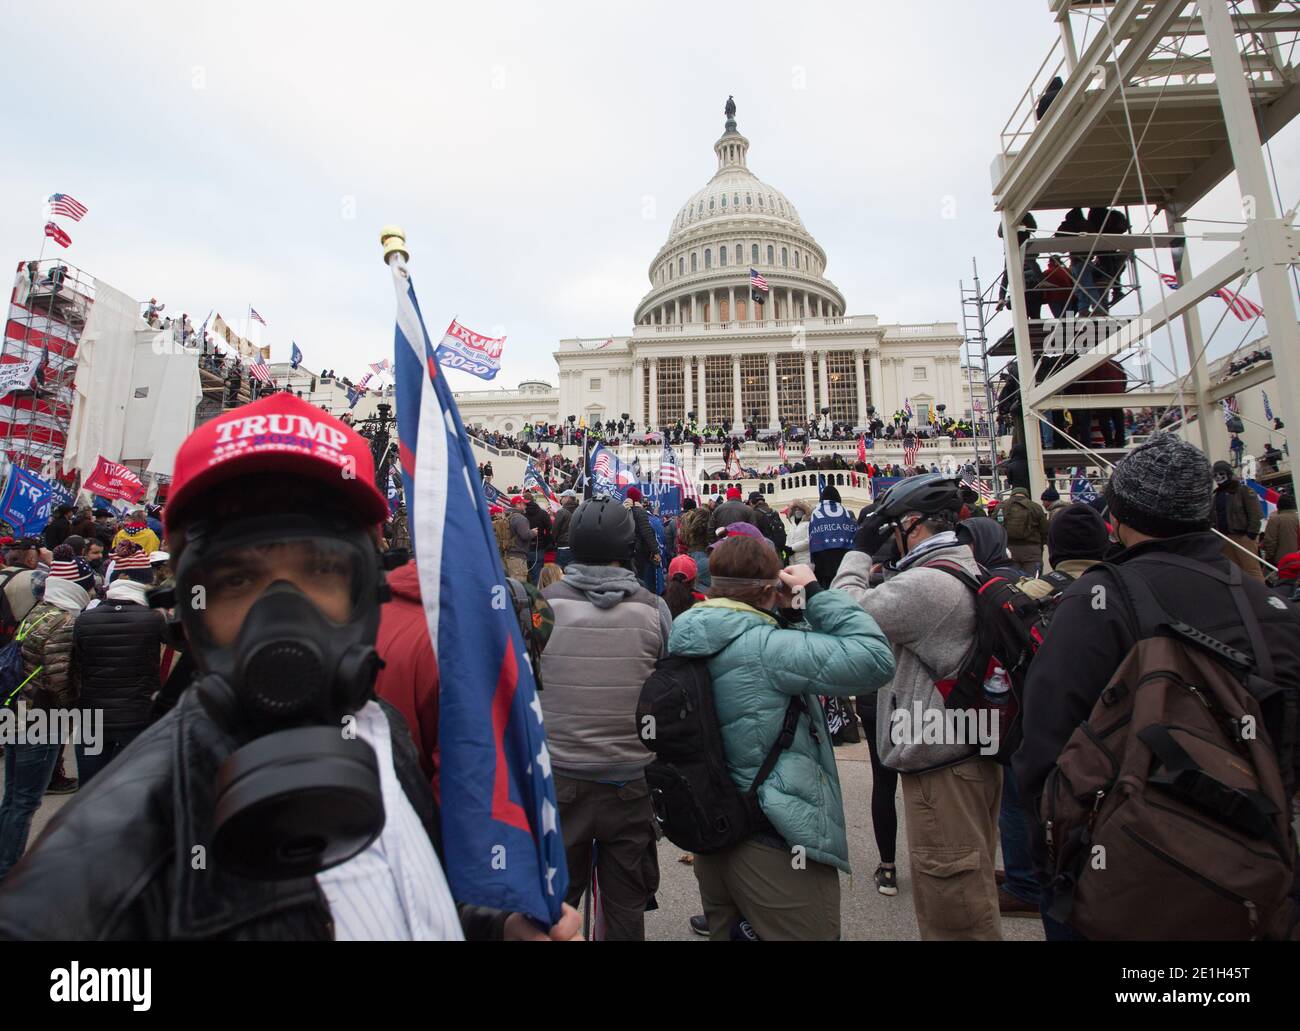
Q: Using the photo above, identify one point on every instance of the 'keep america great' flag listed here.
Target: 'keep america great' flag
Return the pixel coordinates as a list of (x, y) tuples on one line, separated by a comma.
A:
[(500, 826)]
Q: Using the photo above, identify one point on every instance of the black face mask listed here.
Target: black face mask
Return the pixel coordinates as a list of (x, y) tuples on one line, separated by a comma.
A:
[(301, 793)]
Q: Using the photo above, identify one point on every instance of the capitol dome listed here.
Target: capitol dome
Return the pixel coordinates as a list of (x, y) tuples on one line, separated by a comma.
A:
[(735, 223)]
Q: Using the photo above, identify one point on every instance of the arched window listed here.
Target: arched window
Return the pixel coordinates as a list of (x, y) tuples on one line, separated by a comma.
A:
[(722, 255), (735, 200), (670, 270), (753, 253), (785, 258), (749, 200), (724, 200), (770, 259), (760, 200), (681, 266), (693, 263), (710, 203), (796, 259), (740, 254)]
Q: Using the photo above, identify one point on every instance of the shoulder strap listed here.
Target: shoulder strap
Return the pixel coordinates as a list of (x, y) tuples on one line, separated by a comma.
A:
[(953, 569), (783, 741), (5, 582), (1263, 657)]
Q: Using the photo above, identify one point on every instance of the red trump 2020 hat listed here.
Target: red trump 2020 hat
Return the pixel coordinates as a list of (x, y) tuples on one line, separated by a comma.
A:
[(281, 433)]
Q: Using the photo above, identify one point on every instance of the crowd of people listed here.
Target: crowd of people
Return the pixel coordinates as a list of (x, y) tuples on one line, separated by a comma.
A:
[(761, 638)]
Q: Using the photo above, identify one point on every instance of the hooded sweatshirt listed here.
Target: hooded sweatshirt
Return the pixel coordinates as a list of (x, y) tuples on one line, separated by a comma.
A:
[(609, 632), (929, 617)]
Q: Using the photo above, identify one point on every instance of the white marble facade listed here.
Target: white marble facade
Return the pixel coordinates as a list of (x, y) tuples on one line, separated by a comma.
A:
[(699, 344)]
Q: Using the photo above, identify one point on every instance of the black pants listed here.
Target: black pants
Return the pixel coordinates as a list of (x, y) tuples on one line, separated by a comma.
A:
[(619, 823), (884, 787)]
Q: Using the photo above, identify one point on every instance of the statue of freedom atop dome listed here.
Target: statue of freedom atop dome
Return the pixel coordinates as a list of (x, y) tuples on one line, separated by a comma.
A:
[(730, 109)]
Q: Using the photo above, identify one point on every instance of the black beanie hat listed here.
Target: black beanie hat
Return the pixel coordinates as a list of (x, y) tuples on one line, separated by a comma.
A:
[(1076, 531), (1051, 494)]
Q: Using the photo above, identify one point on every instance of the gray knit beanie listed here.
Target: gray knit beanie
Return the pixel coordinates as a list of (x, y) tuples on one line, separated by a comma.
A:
[(1162, 488)]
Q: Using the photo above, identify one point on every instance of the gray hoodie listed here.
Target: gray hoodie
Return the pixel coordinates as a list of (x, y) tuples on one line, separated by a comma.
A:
[(609, 632), (929, 617)]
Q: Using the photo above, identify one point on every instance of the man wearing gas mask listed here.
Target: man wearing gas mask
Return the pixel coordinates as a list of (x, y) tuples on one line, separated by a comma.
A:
[(278, 800)]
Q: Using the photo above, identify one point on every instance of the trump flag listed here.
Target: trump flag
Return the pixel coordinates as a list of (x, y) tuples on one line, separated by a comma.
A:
[(500, 828)]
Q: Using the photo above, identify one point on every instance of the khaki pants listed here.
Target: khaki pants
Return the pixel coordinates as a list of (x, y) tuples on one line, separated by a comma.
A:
[(1248, 562), (517, 566), (952, 835), (619, 822), (1029, 557), (781, 901)]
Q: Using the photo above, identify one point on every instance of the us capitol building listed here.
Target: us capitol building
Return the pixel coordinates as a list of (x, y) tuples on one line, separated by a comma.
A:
[(700, 344)]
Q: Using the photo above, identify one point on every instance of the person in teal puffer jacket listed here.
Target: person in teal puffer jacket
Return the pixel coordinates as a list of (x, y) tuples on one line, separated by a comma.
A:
[(783, 880)]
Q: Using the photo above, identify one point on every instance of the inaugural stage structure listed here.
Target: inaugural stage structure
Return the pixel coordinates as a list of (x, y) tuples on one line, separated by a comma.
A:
[(1146, 107)]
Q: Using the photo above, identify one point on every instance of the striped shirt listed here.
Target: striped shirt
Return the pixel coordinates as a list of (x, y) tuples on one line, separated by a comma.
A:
[(395, 890)]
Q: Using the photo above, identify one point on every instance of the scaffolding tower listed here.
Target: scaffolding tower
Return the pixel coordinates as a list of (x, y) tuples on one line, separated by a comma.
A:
[(1147, 108), (48, 309)]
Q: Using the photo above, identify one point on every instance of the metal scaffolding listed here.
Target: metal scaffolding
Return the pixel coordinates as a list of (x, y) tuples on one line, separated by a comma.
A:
[(1154, 106), (48, 309)]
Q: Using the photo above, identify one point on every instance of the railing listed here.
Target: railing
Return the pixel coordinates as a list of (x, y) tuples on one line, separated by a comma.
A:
[(1020, 125)]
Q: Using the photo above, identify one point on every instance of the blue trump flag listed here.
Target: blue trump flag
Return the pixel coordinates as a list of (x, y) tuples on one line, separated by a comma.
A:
[(28, 501), (295, 357), (500, 826)]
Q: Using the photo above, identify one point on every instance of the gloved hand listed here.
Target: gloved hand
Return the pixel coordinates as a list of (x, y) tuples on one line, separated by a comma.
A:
[(871, 534)]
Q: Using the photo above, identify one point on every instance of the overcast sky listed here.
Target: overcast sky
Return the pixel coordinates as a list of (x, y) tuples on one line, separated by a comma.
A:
[(249, 152)]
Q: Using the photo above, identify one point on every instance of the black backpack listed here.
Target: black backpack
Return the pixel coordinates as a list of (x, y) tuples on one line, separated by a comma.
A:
[(694, 798), (1009, 628)]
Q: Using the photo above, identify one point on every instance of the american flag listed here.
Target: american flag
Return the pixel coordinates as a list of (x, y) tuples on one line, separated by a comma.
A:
[(862, 449), (66, 206), (361, 383), (909, 453), (979, 487), (1242, 307), (500, 823), (670, 472), (379, 368), (780, 450), (807, 446), (260, 370), (255, 315), (1230, 406), (756, 281)]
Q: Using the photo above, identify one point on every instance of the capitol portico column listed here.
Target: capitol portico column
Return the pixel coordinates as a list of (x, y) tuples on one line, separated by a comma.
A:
[(654, 394), (702, 403), (877, 385), (825, 382), (737, 416), (809, 390), (677, 311), (638, 390), (773, 408), (789, 302), (693, 318), (686, 388), (862, 386)]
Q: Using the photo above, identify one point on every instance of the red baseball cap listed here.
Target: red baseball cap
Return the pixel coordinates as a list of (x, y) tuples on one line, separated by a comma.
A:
[(281, 433), (733, 493)]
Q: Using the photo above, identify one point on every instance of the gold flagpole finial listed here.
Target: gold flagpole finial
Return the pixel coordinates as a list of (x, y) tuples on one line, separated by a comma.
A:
[(393, 239)]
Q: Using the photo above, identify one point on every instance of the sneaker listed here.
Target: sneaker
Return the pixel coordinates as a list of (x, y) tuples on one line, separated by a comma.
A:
[(62, 786), (887, 880), (1012, 906), (700, 925)]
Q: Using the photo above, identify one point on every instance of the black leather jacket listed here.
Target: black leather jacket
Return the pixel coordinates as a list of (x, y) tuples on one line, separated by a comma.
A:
[(118, 862)]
